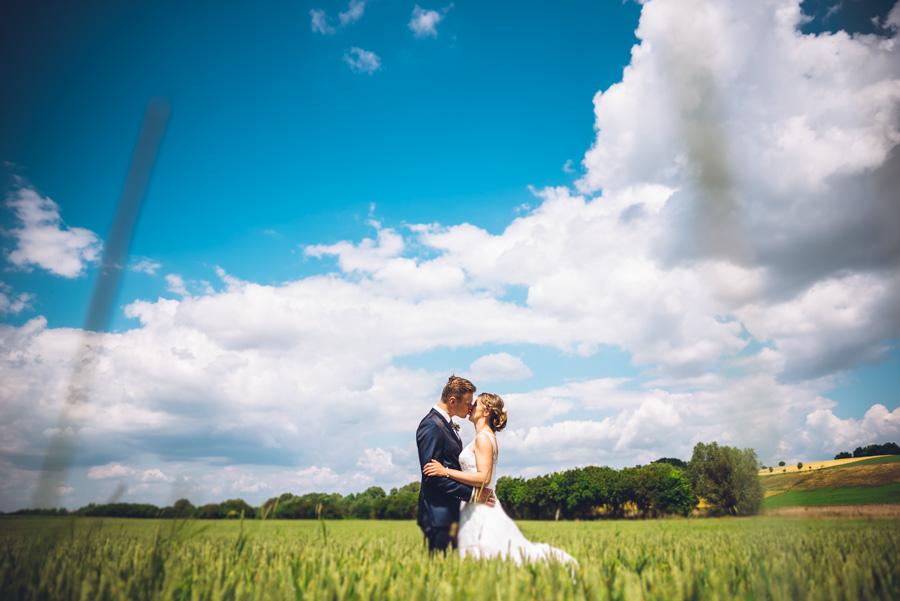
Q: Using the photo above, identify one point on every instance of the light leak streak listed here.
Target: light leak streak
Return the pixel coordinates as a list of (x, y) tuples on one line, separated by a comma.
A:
[(63, 442)]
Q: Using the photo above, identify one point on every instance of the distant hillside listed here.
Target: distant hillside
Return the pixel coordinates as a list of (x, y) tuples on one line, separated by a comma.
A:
[(816, 465), (846, 482)]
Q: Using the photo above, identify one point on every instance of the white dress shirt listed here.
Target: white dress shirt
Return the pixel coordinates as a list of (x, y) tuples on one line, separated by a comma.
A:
[(446, 417)]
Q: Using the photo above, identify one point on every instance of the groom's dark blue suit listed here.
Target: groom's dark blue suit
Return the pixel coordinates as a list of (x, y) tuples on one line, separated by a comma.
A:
[(439, 496)]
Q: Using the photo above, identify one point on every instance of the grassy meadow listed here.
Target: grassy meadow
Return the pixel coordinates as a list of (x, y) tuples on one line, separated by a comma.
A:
[(873, 480), (731, 558)]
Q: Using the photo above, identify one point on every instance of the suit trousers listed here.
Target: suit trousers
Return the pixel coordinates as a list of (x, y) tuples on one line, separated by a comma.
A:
[(441, 538)]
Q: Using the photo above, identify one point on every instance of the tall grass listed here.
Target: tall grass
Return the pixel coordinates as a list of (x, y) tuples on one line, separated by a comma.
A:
[(749, 558)]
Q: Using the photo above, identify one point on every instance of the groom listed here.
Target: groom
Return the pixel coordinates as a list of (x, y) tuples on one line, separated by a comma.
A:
[(437, 439)]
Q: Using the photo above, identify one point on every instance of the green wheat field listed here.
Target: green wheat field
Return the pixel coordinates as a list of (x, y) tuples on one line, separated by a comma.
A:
[(734, 558)]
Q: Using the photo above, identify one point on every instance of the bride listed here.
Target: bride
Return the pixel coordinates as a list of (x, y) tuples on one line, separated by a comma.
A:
[(485, 531)]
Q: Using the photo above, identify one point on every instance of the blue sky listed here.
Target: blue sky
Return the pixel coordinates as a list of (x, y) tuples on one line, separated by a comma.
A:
[(354, 199), (265, 112)]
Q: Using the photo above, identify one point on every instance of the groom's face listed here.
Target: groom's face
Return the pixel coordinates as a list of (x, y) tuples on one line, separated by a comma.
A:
[(462, 407)]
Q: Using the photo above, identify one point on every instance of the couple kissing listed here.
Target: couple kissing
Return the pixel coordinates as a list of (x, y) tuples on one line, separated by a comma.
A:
[(457, 506)]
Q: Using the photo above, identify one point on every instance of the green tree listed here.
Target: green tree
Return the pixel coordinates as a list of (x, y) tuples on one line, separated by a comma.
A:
[(637, 488), (727, 478), (375, 492), (674, 461), (542, 501), (673, 492), (208, 512), (576, 495), (233, 508), (183, 509), (511, 493), (402, 503), (843, 455)]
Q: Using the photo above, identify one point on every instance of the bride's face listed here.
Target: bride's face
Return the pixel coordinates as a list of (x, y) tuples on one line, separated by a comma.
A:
[(476, 413)]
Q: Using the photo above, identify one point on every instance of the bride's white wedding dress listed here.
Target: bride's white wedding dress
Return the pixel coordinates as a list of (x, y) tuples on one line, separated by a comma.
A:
[(486, 532)]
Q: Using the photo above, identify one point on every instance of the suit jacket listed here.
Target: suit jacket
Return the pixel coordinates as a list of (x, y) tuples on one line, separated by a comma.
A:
[(439, 496)]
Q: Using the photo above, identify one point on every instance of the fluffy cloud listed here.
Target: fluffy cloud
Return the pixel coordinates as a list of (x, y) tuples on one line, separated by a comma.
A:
[(354, 12), (155, 475), (317, 478), (424, 22), (11, 303), (145, 265), (110, 470), (824, 428), (377, 461), (175, 284), (362, 61), (367, 256), (761, 143), (319, 22), (498, 367), (44, 241)]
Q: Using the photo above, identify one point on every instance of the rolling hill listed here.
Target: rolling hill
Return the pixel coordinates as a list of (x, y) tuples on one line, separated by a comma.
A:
[(861, 481)]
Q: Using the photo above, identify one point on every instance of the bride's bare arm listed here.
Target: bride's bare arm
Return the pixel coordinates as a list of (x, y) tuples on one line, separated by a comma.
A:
[(484, 455)]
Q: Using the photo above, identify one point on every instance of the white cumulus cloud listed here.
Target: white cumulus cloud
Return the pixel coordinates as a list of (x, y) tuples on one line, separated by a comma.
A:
[(175, 284), (377, 461), (319, 22), (498, 367), (110, 470), (362, 61), (145, 265), (424, 22), (155, 475), (12, 303), (353, 13), (43, 240)]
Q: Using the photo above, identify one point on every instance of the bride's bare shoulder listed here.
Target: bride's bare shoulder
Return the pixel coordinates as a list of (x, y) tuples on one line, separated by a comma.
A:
[(489, 438)]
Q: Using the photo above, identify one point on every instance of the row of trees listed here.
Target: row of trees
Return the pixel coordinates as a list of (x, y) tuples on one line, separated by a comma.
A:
[(400, 504), (181, 509), (888, 448), (725, 477), (374, 503), (583, 493)]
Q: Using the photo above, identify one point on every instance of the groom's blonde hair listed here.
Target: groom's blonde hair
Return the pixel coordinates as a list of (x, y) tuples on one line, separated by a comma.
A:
[(457, 387)]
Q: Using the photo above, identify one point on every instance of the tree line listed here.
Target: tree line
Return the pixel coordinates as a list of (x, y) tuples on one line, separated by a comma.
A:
[(374, 503), (725, 477), (888, 448)]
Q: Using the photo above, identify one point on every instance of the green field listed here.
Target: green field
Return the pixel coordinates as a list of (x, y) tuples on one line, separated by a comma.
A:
[(734, 558), (870, 481), (854, 495), (873, 461)]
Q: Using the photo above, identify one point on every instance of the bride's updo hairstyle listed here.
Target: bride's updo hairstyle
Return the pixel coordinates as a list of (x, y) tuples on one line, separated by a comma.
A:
[(493, 406)]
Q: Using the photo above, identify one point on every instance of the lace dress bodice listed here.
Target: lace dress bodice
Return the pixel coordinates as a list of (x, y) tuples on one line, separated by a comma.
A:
[(467, 458)]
